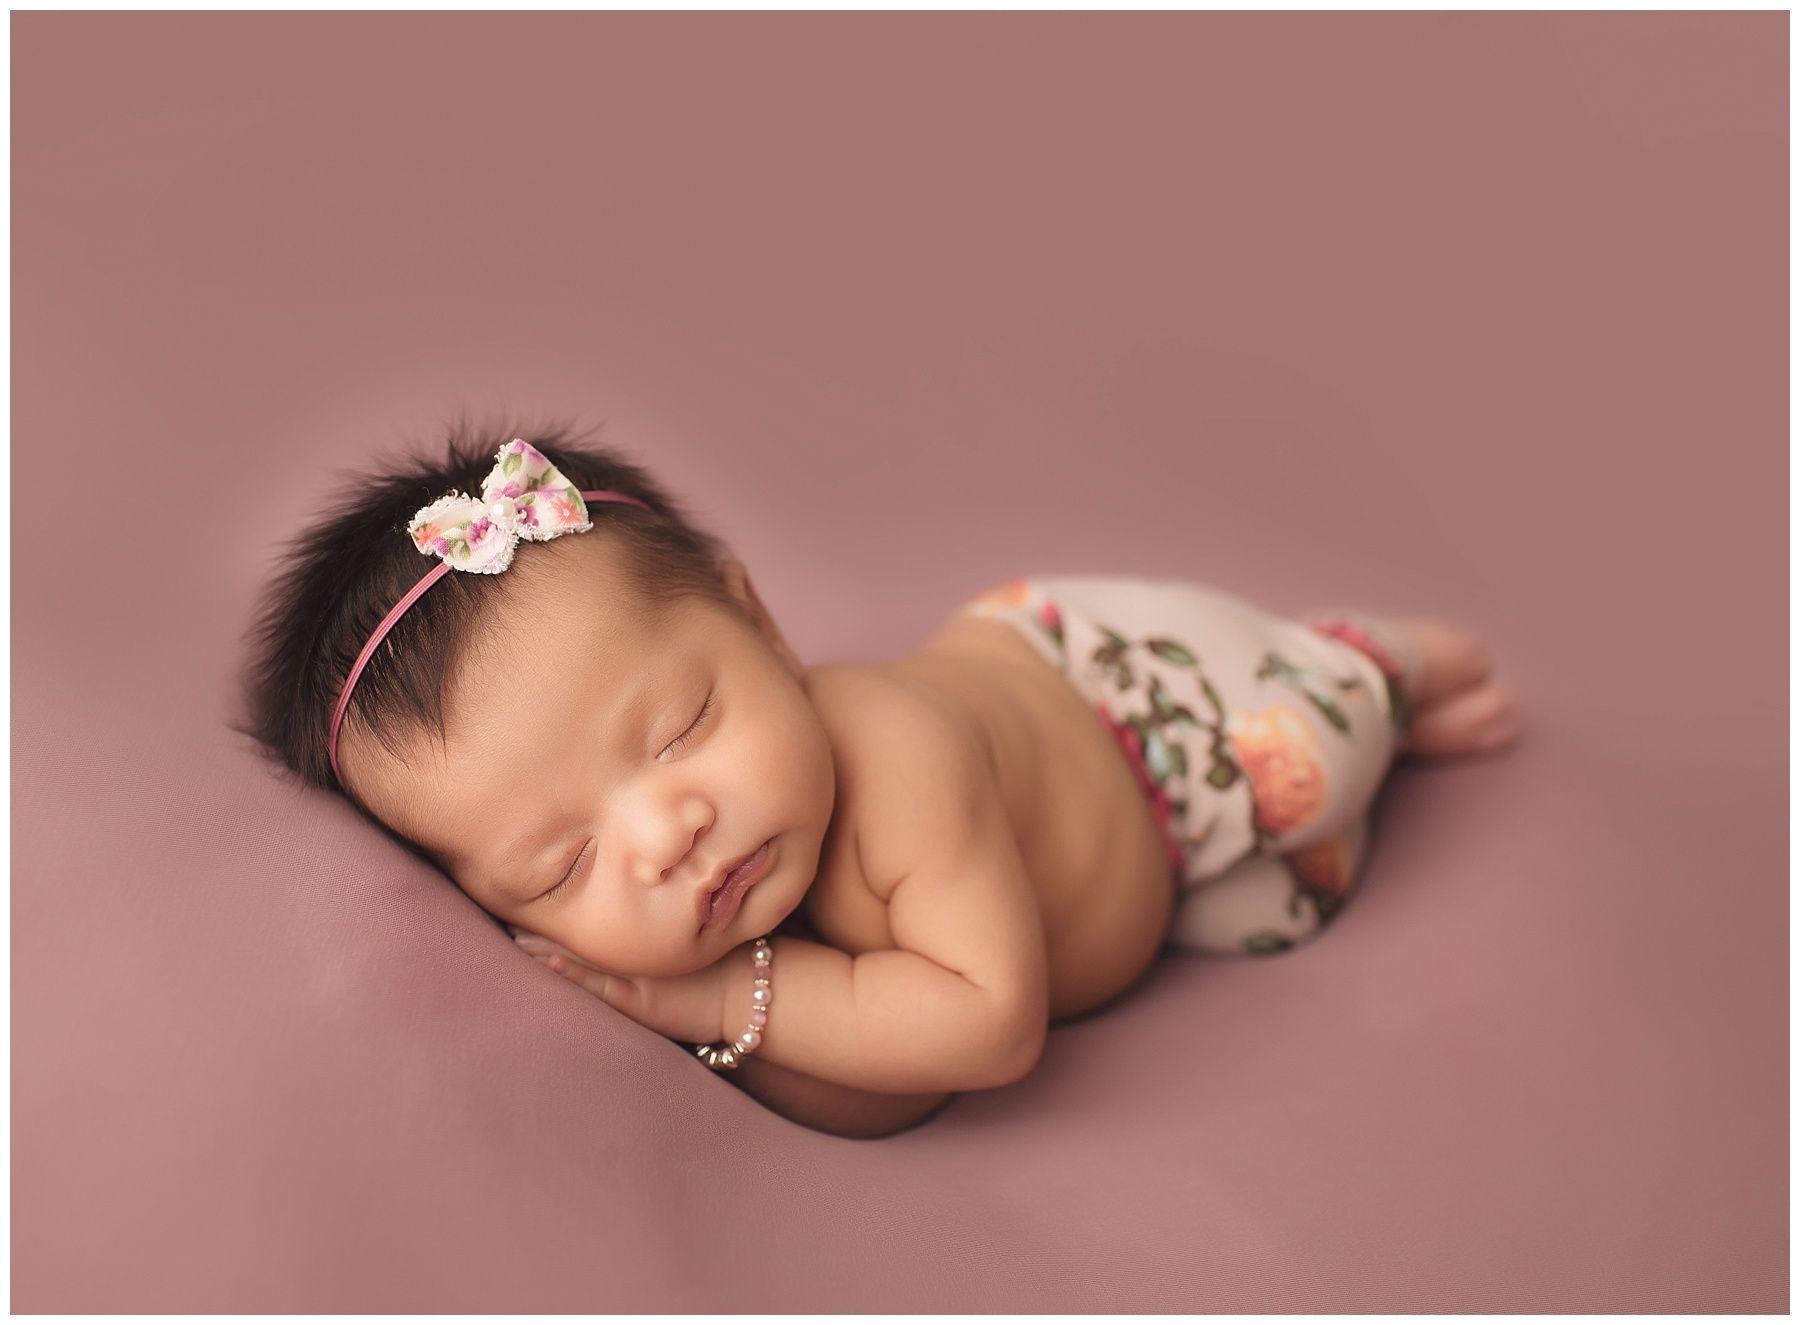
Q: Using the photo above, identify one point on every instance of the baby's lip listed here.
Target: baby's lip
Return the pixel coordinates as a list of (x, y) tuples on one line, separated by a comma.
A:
[(723, 872), (703, 898)]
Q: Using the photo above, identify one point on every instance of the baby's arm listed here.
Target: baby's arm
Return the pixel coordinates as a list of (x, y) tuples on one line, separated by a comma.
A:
[(961, 1003), (825, 1105), (828, 1107)]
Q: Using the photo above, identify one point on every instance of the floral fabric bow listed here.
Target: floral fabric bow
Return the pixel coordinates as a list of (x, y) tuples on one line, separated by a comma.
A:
[(524, 497)]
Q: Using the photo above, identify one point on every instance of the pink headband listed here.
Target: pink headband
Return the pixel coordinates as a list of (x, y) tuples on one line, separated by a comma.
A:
[(525, 496)]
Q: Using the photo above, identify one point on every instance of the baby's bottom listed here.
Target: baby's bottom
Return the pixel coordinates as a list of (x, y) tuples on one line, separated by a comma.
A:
[(1259, 741), (1266, 904), (1270, 901)]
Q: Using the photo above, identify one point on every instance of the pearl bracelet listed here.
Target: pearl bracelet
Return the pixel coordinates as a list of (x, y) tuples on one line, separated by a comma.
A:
[(722, 1057)]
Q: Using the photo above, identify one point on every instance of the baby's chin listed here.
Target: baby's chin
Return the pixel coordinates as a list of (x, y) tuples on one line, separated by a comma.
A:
[(714, 948)]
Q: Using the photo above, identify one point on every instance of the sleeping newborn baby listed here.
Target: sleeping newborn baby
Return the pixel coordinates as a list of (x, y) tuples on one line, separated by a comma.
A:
[(856, 889)]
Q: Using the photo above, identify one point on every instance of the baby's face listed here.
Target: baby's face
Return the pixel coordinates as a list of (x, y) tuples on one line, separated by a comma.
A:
[(582, 795)]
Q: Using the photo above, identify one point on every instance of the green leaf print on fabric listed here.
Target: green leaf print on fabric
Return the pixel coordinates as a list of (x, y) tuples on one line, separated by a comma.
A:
[(1171, 651), (1333, 714), (1161, 749), (1165, 758), (1224, 771), (1399, 704), (511, 463), (1110, 658), (1329, 903), (1273, 664), (1166, 709), (1263, 943), (1212, 697)]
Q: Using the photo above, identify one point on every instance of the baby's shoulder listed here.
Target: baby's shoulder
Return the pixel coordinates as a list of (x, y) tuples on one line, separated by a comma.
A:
[(841, 909), (903, 752), (860, 700)]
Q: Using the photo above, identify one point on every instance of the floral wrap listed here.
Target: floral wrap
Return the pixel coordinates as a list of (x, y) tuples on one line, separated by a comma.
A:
[(1258, 741)]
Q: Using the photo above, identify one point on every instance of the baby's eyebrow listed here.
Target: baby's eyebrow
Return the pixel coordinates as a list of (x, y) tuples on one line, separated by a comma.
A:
[(509, 855), (507, 883)]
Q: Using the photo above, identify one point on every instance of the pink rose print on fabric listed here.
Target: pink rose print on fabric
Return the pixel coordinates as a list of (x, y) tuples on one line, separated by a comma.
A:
[(1279, 754), (564, 507)]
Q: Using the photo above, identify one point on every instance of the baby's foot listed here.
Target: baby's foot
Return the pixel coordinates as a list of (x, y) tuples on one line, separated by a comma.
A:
[(1457, 708), (1478, 720)]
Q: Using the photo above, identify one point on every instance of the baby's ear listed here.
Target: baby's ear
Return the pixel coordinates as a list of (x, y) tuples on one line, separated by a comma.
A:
[(737, 579)]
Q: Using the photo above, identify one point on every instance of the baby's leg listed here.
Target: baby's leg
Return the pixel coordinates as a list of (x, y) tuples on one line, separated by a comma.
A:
[(1266, 904)]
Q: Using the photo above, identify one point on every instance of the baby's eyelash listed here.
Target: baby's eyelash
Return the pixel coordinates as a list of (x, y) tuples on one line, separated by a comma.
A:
[(681, 740), (688, 735), (568, 878)]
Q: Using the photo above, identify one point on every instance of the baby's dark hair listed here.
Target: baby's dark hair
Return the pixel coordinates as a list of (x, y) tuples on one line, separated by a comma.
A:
[(343, 573)]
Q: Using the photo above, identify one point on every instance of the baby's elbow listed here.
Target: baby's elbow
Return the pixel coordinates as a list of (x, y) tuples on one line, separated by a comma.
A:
[(903, 1116), (1021, 1046)]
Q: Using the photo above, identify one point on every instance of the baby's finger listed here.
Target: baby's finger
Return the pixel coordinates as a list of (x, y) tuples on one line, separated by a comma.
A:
[(541, 947), (610, 989), (595, 982), (537, 945)]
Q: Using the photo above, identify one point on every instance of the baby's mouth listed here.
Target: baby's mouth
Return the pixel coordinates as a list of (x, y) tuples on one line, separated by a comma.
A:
[(717, 905)]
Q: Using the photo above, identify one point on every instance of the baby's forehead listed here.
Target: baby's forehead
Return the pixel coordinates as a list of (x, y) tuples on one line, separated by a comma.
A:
[(540, 669), (548, 624)]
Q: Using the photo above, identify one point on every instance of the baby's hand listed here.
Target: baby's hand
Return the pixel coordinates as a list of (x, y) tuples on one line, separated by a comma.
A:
[(683, 1007)]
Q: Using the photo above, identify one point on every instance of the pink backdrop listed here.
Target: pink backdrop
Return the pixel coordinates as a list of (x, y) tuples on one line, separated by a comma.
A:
[(1474, 314)]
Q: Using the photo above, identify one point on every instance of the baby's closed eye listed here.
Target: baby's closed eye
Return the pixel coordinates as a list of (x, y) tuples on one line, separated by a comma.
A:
[(579, 863), (688, 735)]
